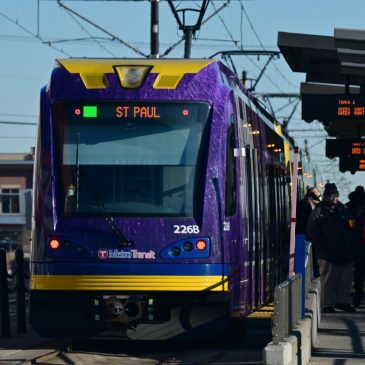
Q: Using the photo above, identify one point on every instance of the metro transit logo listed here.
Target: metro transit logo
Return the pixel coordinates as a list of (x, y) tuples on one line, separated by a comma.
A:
[(103, 253)]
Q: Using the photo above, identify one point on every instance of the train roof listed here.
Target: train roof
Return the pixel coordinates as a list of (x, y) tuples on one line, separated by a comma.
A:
[(170, 71)]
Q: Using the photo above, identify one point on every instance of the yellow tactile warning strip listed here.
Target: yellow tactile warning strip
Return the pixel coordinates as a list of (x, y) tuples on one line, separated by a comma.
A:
[(265, 312)]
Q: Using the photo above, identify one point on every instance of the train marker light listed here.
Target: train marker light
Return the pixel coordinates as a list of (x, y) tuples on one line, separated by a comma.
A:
[(54, 244), (187, 246), (67, 245), (132, 77), (201, 245)]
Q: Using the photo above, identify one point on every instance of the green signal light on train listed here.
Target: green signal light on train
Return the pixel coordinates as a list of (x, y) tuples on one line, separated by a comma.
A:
[(90, 111)]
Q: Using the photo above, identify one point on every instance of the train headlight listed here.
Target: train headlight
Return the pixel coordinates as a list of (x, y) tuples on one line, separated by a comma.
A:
[(131, 77), (175, 251)]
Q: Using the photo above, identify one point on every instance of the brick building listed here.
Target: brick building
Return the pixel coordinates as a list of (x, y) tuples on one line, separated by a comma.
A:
[(16, 180)]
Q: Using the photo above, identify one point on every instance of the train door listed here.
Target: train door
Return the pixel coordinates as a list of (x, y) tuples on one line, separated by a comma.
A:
[(245, 197), (231, 224), (258, 228), (251, 226)]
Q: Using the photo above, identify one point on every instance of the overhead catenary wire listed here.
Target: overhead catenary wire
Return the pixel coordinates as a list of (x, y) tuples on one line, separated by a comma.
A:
[(262, 46), (136, 50), (72, 16), (17, 123), (32, 34)]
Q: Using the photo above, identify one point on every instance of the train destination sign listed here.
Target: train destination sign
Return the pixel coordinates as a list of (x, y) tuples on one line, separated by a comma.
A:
[(345, 148), (134, 110)]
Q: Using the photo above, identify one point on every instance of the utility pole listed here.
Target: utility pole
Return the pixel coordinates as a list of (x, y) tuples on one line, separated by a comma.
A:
[(154, 29)]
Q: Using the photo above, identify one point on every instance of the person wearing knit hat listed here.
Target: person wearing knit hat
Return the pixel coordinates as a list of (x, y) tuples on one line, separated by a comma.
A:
[(328, 229), (330, 189), (304, 209), (356, 204)]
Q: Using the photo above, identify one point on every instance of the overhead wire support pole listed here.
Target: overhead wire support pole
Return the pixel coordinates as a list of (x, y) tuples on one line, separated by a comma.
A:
[(168, 50), (154, 29), (189, 30), (114, 37), (261, 72)]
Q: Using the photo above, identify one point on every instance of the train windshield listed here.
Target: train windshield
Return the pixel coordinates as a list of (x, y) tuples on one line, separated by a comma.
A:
[(130, 158)]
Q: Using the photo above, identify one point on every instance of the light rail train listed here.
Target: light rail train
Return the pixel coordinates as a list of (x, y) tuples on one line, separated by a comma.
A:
[(158, 184)]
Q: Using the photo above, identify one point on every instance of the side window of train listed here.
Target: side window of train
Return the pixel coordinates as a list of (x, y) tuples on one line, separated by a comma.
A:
[(230, 178)]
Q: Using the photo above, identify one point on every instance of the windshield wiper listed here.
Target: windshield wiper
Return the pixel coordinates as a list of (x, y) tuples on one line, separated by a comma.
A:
[(122, 239)]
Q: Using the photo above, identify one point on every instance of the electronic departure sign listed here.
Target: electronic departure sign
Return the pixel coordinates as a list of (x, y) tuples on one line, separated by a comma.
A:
[(333, 107), (352, 164), (350, 107), (345, 148)]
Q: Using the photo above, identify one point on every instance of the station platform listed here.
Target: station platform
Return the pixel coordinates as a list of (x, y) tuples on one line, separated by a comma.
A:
[(340, 338)]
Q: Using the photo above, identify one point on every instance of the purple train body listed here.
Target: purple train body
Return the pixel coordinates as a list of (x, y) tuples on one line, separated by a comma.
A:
[(159, 184)]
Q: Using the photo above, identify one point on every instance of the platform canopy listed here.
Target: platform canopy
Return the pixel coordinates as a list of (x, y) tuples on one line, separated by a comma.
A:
[(334, 68), (332, 60), (334, 88)]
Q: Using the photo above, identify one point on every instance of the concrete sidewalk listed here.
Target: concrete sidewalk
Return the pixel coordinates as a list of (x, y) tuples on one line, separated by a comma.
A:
[(26, 347), (340, 339)]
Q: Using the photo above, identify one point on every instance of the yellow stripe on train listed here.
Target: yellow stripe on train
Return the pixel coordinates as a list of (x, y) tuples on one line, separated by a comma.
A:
[(129, 282), (170, 72)]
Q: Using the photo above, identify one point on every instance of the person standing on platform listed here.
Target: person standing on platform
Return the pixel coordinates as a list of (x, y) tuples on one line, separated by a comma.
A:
[(304, 209), (329, 230), (358, 211)]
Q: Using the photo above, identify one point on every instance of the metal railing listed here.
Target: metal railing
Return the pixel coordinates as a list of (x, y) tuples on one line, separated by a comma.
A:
[(14, 283), (289, 296)]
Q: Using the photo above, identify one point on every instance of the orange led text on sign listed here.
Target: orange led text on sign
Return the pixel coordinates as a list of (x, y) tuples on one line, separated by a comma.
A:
[(344, 111), (356, 151), (359, 111), (344, 102), (358, 148), (126, 111)]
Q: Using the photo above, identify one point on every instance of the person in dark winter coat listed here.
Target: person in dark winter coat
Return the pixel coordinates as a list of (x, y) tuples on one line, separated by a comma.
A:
[(328, 229), (304, 209), (357, 206)]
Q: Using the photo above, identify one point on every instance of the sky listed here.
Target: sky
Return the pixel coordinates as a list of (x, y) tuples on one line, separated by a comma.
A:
[(33, 33)]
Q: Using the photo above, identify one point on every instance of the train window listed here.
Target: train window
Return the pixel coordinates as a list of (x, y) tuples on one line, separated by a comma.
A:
[(230, 178), (131, 161), (240, 105)]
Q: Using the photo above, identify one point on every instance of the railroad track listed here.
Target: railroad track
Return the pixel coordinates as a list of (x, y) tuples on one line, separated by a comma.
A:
[(151, 353)]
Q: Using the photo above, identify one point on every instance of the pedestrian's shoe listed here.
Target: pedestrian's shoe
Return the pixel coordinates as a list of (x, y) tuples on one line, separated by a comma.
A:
[(328, 309), (345, 307)]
